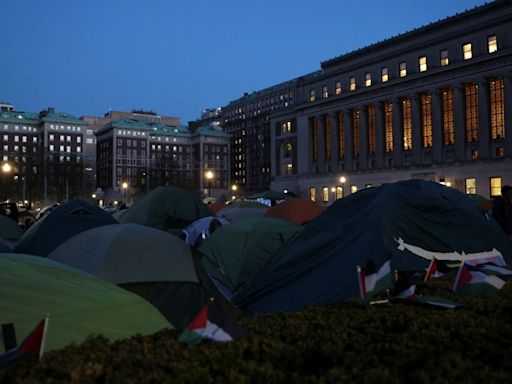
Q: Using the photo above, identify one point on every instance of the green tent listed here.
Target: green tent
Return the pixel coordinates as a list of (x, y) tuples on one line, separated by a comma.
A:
[(271, 195), (235, 252), (78, 304), (9, 229), (152, 263), (166, 208), (243, 209)]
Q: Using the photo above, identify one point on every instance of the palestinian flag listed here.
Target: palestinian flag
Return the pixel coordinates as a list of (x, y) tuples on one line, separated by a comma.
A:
[(471, 281), (409, 296), (372, 282), (438, 268), (491, 265), (33, 345), (213, 324)]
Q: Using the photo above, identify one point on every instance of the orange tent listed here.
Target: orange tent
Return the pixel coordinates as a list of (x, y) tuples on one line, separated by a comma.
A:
[(217, 206), (298, 211)]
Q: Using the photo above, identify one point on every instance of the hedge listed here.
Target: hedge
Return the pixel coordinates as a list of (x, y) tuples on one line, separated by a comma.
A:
[(339, 343)]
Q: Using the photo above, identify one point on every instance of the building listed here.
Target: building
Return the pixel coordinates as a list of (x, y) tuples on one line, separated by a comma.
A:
[(434, 103), (209, 117)]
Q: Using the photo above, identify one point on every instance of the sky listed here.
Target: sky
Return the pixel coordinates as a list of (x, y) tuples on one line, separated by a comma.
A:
[(178, 57)]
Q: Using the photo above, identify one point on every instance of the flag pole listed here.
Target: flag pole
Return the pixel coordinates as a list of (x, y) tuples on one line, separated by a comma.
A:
[(360, 280), (427, 275), (454, 288), (43, 337)]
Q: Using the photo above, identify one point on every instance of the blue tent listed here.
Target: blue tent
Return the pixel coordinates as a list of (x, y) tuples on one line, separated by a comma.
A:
[(62, 223), (406, 222)]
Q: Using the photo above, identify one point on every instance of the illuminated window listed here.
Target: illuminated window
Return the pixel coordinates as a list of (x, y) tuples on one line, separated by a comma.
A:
[(470, 186), (495, 184), (497, 95), (288, 150), (325, 194), (422, 62), (355, 132), (339, 192), (443, 57), (367, 79), (388, 125), (352, 86), (474, 154), (312, 95), (407, 124), (325, 92), (384, 75), (403, 69), (338, 87), (314, 137), (372, 139), (289, 169), (341, 135), (492, 44), (467, 50), (286, 127), (448, 117), (353, 188), (312, 193), (471, 91), (426, 120)]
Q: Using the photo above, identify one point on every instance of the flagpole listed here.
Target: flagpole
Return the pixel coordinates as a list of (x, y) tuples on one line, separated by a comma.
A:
[(43, 337), (359, 279), (458, 275), (427, 275)]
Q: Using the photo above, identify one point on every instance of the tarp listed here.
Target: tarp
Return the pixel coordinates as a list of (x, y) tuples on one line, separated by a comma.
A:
[(78, 304), (234, 253), (407, 222), (298, 211), (62, 223), (152, 263), (166, 208), (9, 229), (200, 228)]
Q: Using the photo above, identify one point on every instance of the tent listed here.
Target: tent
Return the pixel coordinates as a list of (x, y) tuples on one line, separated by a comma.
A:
[(234, 253), (298, 211), (4, 247), (407, 222), (9, 229), (60, 224), (152, 263), (482, 202), (217, 206), (78, 304), (242, 209), (200, 228), (166, 208)]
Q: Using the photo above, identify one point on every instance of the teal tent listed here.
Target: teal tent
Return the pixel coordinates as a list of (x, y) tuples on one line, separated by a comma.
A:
[(407, 223), (78, 304), (9, 229), (62, 223), (166, 208), (237, 251), (152, 263), (243, 209)]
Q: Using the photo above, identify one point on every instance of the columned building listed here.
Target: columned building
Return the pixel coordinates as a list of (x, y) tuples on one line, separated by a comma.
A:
[(434, 103)]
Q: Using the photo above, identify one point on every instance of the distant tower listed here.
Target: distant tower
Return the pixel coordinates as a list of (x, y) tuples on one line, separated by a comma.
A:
[(4, 106)]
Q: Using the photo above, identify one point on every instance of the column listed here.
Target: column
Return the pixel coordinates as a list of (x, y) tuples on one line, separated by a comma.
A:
[(363, 137), (334, 141), (379, 134), (437, 126), (507, 84), (347, 119), (397, 132), (484, 136), (460, 122), (320, 127), (303, 146), (417, 129)]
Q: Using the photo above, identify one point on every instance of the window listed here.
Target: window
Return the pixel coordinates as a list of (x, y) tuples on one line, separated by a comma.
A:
[(367, 79), (314, 137), (325, 194), (353, 188), (355, 132), (467, 50), (492, 44), (471, 91), (339, 192), (443, 58), (34, 139), (327, 135), (6, 138), (388, 125), (289, 169), (52, 148), (341, 135), (496, 91), (312, 193), (288, 150), (426, 120), (470, 186), (422, 62), (384, 75), (51, 138), (311, 95), (403, 69), (448, 117), (325, 92), (407, 124), (338, 87), (286, 127), (352, 85), (495, 184), (372, 139), (16, 139)]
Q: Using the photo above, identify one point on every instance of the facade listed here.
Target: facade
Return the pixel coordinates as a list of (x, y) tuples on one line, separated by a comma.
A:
[(45, 153), (143, 155), (434, 103)]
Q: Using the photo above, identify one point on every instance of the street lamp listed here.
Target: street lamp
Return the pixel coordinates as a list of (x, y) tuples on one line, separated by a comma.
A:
[(342, 181), (125, 188), (234, 188), (6, 168), (333, 190), (209, 177)]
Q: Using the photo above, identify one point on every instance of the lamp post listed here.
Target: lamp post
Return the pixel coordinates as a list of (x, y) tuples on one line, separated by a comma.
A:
[(234, 188), (6, 168), (333, 190), (342, 181), (125, 188), (209, 177)]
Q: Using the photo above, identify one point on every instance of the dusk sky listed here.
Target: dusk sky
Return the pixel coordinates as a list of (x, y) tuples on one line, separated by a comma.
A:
[(177, 57)]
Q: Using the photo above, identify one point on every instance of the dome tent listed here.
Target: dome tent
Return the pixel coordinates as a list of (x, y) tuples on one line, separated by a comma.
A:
[(406, 222)]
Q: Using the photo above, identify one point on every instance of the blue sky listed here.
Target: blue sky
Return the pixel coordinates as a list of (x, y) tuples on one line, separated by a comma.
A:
[(177, 57)]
